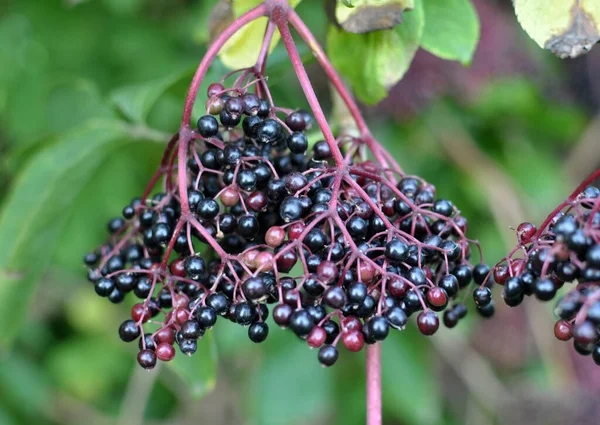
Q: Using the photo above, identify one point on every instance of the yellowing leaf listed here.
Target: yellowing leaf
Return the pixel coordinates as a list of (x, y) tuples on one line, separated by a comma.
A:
[(568, 28), (241, 51), (375, 61), (371, 15)]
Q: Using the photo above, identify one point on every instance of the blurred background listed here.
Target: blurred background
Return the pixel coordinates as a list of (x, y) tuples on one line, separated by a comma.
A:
[(506, 139)]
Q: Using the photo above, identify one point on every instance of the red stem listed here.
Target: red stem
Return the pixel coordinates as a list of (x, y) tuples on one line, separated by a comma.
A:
[(281, 20), (338, 84), (211, 54), (373, 384), (571, 198)]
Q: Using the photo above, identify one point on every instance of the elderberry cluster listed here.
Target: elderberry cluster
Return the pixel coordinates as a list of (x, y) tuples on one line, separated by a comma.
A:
[(255, 223), (566, 249)]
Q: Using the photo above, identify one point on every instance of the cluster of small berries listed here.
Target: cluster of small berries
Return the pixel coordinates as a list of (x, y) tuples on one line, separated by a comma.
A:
[(253, 222), (565, 249)]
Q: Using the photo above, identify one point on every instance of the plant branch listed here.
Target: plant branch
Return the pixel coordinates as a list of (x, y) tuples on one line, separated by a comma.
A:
[(288, 41), (373, 361)]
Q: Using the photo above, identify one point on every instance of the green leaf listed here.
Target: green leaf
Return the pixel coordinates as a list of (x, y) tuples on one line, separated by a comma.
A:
[(34, 212), (407, 364), (198, 372), (290, 387), (241, 51), (451, 29), (136, 101), (69, 364), (371, 15), (568, 28), (375, 61)]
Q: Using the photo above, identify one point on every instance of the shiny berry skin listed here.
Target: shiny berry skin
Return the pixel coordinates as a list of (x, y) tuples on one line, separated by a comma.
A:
[(428, 322), (482, 296), (585, 333), (301, 323), (437, 297), (353, 340), (104, 287), (206, 316), (328, 355), (563, 330), (396, 251), (480, 273), (147, 359), (254, 288), (129, 331), (379, 327), (258, 332), (544, 289), (208, 126), (165, 352), (282, 314), (316, 337), (525, 232), (297, 143)]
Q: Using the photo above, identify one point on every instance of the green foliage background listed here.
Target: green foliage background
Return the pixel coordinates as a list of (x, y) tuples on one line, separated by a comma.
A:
[(89, 92)]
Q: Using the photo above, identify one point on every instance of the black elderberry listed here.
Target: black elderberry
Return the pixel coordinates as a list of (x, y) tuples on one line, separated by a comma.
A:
[(115, 224), (208, 209), (290, 209), (258, 332), (104, 287), (357, 227), (463, 274), (194, 267), (357, 292), (228, 119), (254, 288), (264, 109), (142, 287), (165, 299), (244, 314), (246, 179), (116, 296), (443, 207), (297, 143), (328, 355), (206, 316), (269, 131), (321, 151), (593, 256), (480, 273), (367, 307), (115, 263), (208, 126), (147, 359), (316, 240), (513, 288), (449, 283), (544, 289), (191, 329), (335, 297), (482, 296), (301, 322), (248, 226), (129, 331), (379, 327), (188, 346), (317, 312), (396, 318), (487, 311)]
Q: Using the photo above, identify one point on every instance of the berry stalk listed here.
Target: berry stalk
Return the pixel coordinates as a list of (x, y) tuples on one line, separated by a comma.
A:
[(373, 359)]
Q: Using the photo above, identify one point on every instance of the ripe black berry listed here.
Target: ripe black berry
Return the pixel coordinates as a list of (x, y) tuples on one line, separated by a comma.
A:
[(129, 331), (258, 332)]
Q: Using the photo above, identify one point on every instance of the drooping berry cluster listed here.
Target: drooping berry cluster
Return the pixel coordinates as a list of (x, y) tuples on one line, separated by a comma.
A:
[(247, 224), (565, 249)]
